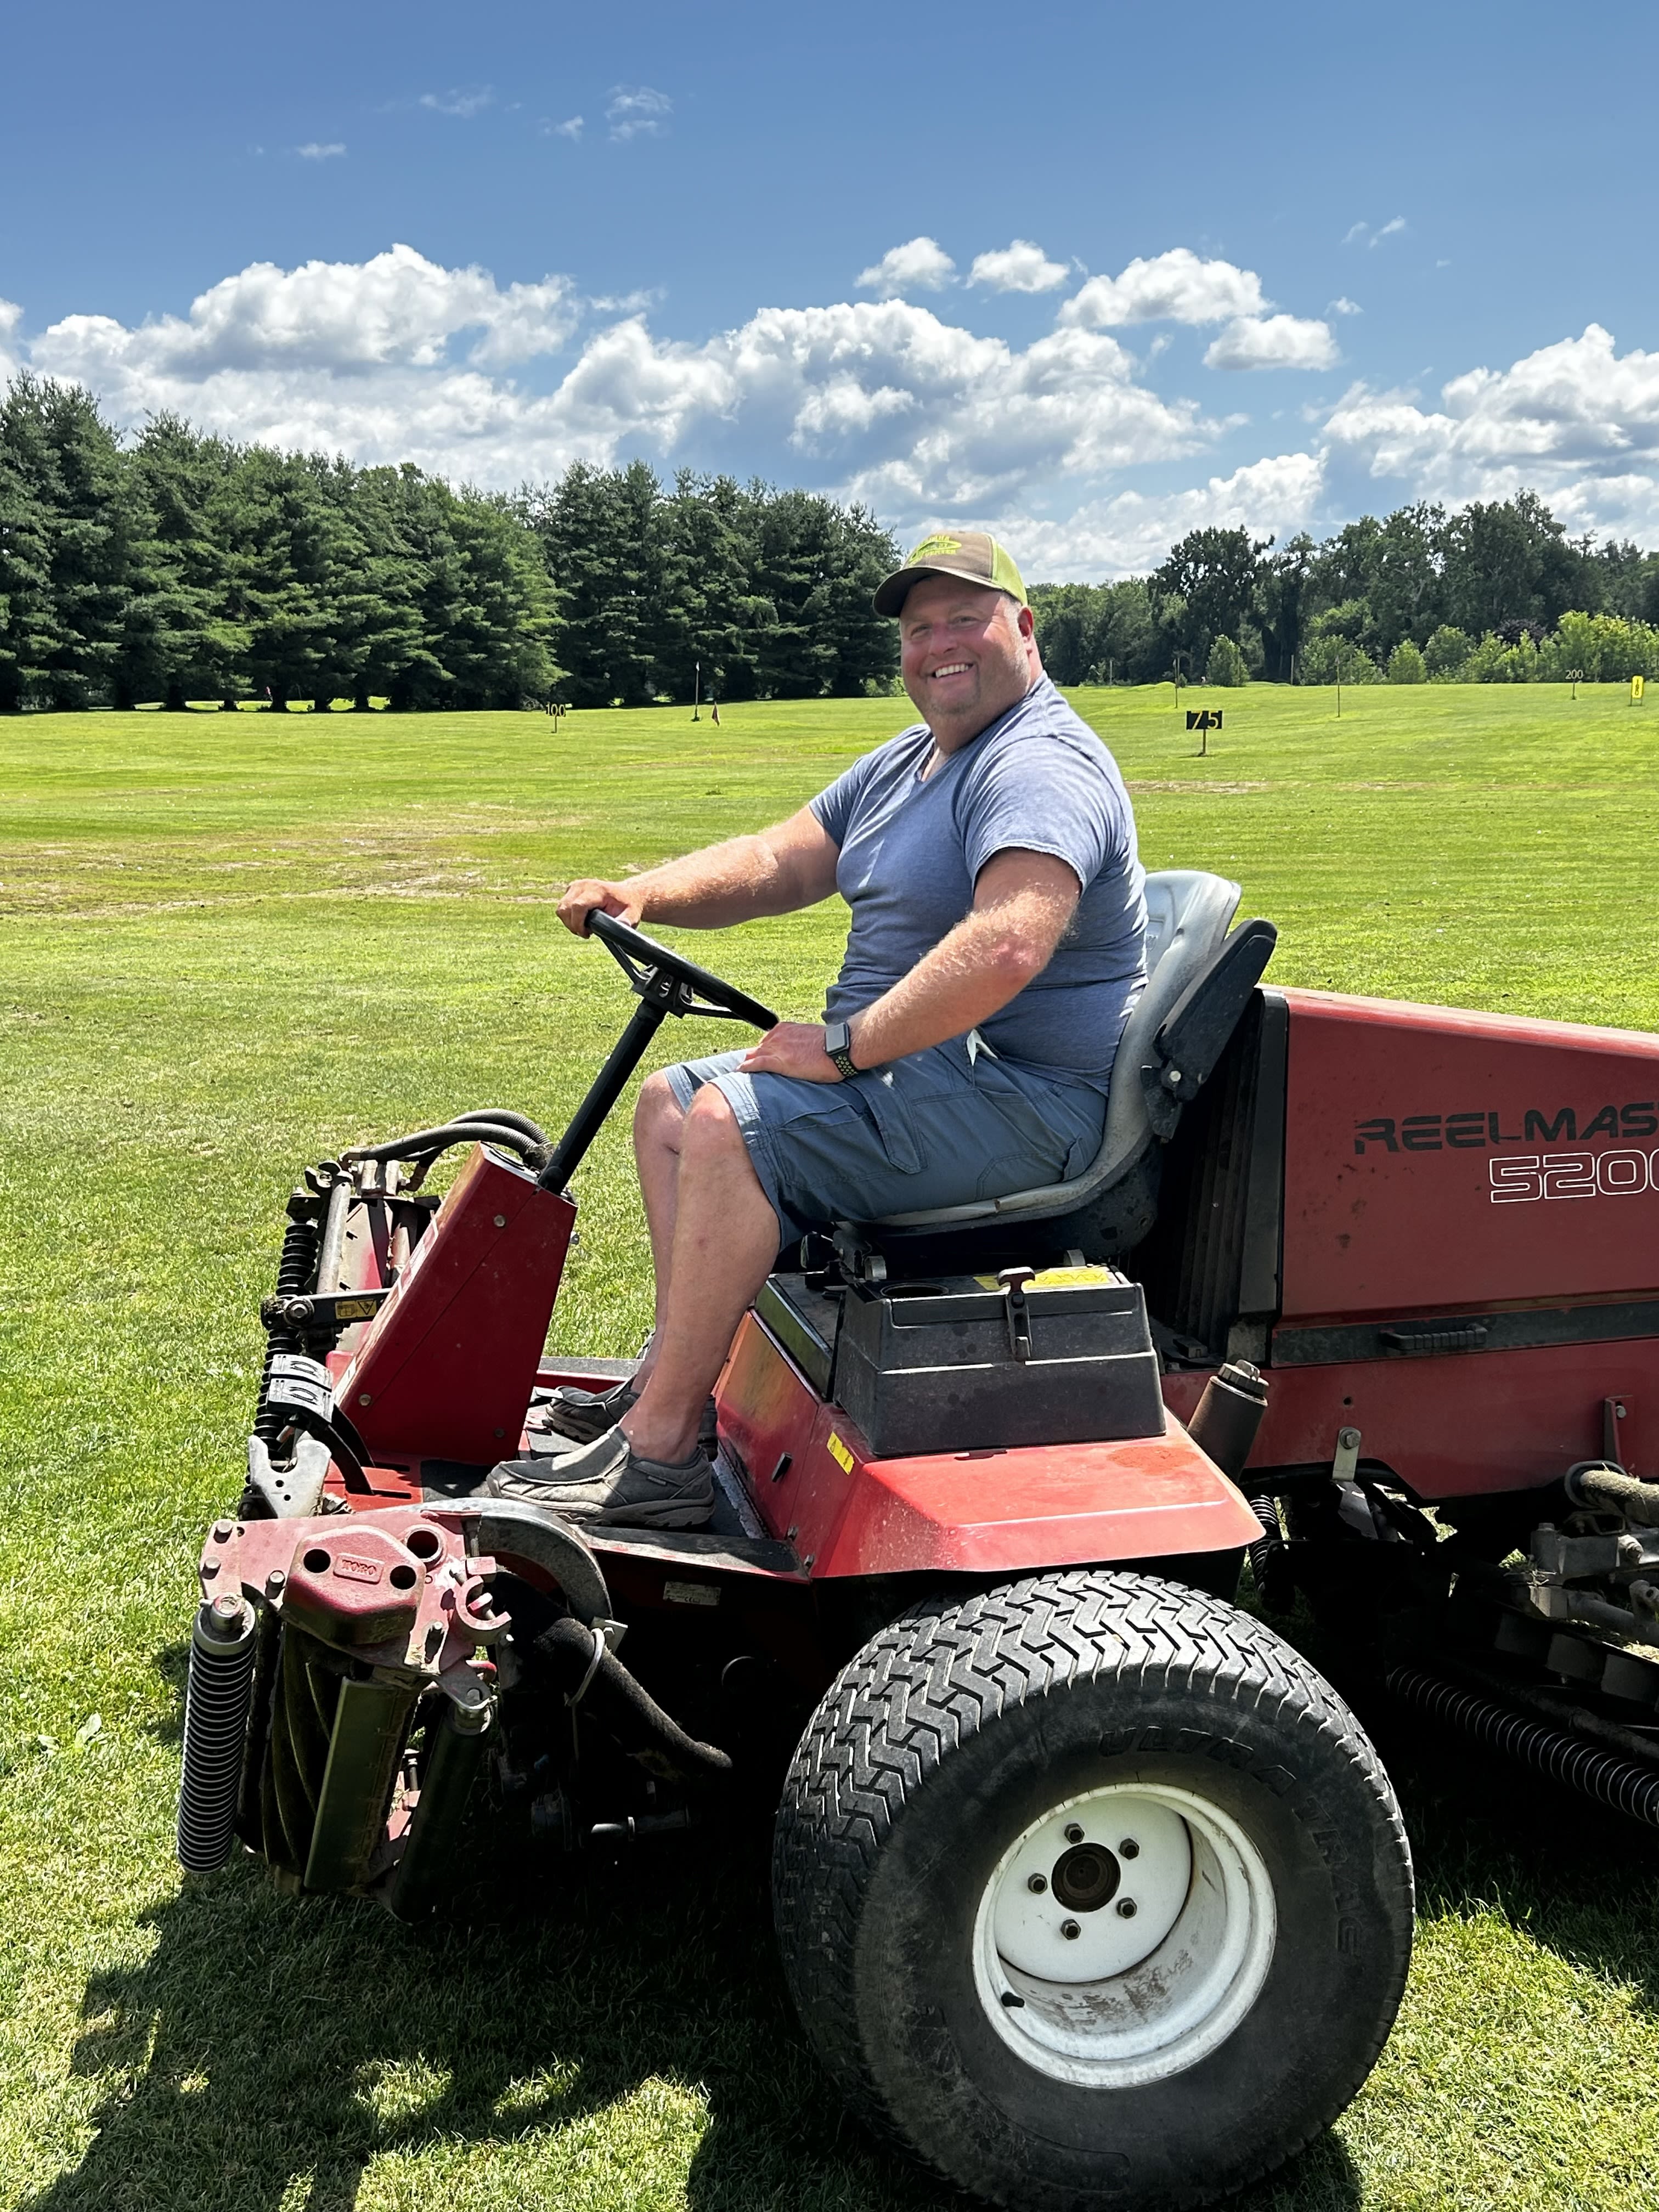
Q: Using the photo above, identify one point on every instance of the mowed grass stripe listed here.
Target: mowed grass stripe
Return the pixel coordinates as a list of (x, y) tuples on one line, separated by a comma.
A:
[(229, 945)]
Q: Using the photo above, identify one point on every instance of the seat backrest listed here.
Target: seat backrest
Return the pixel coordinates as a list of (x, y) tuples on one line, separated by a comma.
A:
[(1187, 913)]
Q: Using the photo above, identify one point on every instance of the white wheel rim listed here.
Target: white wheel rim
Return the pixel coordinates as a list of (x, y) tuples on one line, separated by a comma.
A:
[(1088, 1993)]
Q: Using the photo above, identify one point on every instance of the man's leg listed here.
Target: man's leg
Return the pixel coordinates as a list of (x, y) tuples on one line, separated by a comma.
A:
[(658, 1121), (714, 1239)]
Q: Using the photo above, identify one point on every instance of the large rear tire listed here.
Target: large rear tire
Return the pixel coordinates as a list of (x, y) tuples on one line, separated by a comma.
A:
[(1090, 1891)]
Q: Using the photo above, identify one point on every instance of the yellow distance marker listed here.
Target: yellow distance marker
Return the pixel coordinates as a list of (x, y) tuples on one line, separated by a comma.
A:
[(1635, 687)]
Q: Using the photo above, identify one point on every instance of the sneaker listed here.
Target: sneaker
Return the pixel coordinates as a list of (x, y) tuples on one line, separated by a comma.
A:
[(607, 1481), (578, 1415), (571, 1415)]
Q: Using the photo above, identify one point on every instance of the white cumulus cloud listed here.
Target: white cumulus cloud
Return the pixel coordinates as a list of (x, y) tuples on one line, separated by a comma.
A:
[(1055, 442), (1272, 341), (328, 316), (636, 111), (399, 358), (463, 103), (570, 128), (313, 150), (1175, 287), (1577, 421), (11, 358), (921, 265), (1129, 533), (1021, 267), (1361, 233)]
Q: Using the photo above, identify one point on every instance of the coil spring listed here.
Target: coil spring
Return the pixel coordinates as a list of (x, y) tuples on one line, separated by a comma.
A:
[(217, 1697), (295, 1270), (1612, 1781), (1270, 1562)]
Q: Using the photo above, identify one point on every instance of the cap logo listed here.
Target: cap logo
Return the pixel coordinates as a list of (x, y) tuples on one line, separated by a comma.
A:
[(932, 548)]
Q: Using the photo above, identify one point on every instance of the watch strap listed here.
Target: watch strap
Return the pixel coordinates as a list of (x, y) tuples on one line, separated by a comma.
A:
[(837, 1044)]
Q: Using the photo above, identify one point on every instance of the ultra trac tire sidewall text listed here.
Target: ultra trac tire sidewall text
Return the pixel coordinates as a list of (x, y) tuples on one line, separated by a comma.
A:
[(953, 1730)]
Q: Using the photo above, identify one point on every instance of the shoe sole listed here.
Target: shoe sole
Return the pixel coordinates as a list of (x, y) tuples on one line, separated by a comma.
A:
[(669, 1513), (706, 1431)]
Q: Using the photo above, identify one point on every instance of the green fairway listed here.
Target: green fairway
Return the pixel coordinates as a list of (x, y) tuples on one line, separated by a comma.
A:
[(232, 945)]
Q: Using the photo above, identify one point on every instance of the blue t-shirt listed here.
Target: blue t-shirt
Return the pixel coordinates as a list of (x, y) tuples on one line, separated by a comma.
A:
[(1038, 779)]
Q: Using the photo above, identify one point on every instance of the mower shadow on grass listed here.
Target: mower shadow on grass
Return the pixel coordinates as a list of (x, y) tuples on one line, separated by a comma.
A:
[(597, 2043), (264, 2055), (626, 2038)]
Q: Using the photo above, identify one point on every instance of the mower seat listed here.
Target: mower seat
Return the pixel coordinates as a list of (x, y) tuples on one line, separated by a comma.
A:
[(1199, 979)]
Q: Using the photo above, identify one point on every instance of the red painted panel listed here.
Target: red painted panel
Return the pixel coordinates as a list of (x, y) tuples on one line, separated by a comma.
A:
[(446, 1370), (1464, 1425), (1002, 1510), (1439, 1161)]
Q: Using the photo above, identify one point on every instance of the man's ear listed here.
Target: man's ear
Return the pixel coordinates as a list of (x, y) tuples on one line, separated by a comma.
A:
[(1027, 621)]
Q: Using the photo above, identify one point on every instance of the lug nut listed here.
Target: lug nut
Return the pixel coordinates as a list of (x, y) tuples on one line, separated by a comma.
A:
[(1038, 1883), (1071, 1929), (1073, 1833), (276, 1582), (227, 1607), (223, 1531), (1129, 1849), (1126, 1908)]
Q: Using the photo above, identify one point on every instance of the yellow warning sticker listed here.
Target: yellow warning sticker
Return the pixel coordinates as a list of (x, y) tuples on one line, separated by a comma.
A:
[(1054, 1279), (839, 1453)]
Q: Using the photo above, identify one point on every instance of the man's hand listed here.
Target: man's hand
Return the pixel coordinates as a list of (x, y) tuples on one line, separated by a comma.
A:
[(621, 900), (792, 1048)]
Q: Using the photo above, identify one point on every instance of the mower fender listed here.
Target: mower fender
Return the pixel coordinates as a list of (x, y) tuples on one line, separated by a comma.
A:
[(1000, 1510), (1038, 1506), (509, 1530)]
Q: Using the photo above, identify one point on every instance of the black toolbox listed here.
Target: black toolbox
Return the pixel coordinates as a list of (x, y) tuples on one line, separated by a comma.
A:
[(963, 1364)]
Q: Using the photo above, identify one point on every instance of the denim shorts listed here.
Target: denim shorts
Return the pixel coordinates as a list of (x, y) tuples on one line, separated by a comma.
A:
[(938, 1129)]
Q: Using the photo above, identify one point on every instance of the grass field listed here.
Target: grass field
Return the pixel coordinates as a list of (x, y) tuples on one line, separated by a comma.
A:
[(230, 946)]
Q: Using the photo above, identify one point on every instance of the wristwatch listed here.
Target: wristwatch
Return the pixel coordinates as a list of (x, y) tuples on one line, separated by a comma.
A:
[(838, 1044)]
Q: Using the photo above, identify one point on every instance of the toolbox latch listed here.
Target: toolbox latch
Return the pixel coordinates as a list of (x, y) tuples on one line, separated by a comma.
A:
[(1016, 1308)]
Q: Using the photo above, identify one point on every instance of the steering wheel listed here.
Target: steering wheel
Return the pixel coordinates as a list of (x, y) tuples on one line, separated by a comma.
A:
[(663, 978)]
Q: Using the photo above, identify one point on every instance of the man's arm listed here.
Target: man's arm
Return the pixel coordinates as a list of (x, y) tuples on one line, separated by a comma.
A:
[(1023, 903), (790, 866)]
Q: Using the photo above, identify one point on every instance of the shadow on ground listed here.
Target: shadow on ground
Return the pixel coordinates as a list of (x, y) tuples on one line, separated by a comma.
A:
[(266, 2051)]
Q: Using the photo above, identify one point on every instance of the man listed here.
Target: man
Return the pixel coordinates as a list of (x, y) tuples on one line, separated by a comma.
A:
[(987, 854)]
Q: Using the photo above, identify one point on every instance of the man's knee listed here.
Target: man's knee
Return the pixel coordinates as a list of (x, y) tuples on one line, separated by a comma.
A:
[(710, 1128), (657, 1112)]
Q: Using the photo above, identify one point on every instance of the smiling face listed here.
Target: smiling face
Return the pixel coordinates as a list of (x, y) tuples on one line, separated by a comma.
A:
[(967, 655)]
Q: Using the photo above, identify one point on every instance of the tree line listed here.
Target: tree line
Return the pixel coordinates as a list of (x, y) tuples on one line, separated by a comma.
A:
[(1495, 592), (184, 567)]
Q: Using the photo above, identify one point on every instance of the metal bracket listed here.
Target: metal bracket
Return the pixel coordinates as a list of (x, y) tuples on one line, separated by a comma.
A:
[(1345, 1459), (292, 1493)]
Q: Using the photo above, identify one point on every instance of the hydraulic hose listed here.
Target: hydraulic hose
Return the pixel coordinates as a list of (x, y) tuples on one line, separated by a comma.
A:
[(426, 1144), (1595, 1484), (591, 1675), (505, 1118), (218, 1690)]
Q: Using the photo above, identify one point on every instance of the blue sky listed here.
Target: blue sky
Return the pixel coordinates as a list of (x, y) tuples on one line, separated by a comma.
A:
[(1092, 275)]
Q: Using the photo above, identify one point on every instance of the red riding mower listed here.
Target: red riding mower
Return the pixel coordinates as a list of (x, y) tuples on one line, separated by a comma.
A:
[(1088, 1888)]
